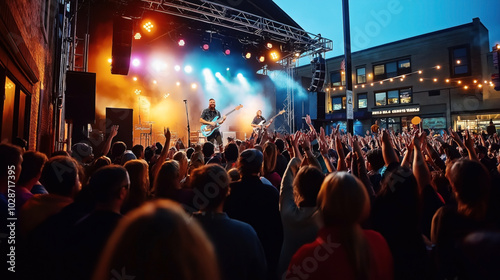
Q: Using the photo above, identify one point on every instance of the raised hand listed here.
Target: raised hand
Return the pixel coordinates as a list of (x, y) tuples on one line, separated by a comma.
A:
[(114, 131), (166, 132)]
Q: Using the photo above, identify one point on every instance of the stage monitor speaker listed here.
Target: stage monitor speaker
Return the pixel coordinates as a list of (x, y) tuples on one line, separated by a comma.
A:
[(319, 71), (80, 97), (123, 118), (321, 106), (122, 45)]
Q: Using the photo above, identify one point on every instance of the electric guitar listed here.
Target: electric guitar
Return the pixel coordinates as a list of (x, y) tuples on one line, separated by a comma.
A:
[(207, 130), (261, 125)]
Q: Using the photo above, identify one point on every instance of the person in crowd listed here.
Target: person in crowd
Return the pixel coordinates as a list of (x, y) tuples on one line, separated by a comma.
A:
[(181, 158), (158, 241), (20, 142), (117, 150), (126, 156), (208, 150), (28, 180), (231, 155), (109, 187), (138, 151), (234, 174), (299, 215), (269, 164), (395, 214), (374, 163), (281, 160), (470, 183), (491, 129), (343, 250), (237, 246), (61, 179), (168, 185), (138, 171), (257, 204)]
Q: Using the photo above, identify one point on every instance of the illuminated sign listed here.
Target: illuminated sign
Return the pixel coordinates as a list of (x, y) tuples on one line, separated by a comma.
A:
[(396, 111)]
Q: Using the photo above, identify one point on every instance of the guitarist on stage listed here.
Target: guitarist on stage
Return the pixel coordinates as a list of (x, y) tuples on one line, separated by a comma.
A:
[(206, 118), (258, 123)]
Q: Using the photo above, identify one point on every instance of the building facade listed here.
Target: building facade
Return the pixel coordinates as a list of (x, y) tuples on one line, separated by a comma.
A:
[(444, 78)]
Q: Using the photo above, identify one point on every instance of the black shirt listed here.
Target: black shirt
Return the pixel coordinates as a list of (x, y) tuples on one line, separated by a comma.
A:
[(209, 115), (257, 119)]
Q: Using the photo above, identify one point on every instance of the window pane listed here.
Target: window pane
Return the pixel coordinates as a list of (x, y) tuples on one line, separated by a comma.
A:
[(392, 69), (361, 75), (379, 70), (335, 78), (337, 103), (362, 101), (460, 52), (380, 99), (8, 110), (405, 95), (382, 123), (405, 63), (393, 97), (461, 69)]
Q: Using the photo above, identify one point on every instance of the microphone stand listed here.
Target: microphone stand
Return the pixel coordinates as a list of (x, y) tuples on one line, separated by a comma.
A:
[(189, 129)]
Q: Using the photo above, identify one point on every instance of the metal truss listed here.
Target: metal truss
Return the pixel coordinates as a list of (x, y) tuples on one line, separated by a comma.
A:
[(297, 40)]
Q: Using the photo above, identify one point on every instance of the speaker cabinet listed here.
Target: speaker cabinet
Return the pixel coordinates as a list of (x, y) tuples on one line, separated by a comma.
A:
[(80, 97), (319, 71), (122, 45)]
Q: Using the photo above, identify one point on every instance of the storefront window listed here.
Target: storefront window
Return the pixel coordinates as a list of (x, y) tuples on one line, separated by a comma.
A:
[(8, 110)]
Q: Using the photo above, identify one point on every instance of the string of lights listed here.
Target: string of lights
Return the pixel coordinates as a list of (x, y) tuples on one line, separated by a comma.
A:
[(459, 82)]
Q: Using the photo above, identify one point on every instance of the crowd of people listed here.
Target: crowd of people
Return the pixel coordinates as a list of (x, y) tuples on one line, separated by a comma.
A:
[(385, 205)]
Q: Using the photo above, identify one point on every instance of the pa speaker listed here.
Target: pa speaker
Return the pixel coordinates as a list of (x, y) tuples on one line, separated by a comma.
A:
[(319, 71), (122, 45), (123, 118), (80, 97)]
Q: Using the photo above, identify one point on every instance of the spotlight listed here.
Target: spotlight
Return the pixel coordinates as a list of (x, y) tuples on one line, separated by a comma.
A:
[(177, 68), (136, 62), (193, 85), (110, 60), (205, 42), (225, 48), (239, 75), (275, 55), (188, 69), (261, 58), (137, 36), (247, 55), (181, 43), (148, 26), (268, 45)]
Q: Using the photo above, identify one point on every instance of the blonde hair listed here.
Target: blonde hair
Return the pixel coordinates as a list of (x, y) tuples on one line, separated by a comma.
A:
[(270, 156), (138, 171), (158, 241), (343, 202)]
